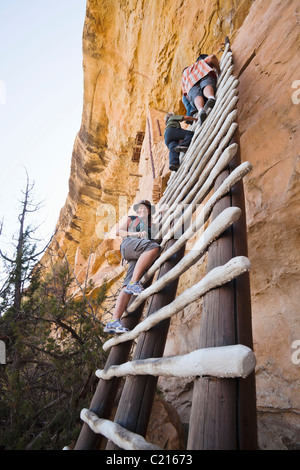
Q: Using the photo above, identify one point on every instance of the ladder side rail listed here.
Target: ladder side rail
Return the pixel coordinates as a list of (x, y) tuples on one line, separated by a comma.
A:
[(247, 418), (213, 412), (137, 397), (104, 397)]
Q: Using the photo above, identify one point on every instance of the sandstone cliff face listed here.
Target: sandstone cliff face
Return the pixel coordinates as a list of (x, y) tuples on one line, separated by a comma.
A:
[(269, 127), (134, 52)]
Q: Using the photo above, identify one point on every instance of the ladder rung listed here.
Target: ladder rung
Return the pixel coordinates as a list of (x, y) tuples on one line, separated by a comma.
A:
[(222, 362), (120, 436)]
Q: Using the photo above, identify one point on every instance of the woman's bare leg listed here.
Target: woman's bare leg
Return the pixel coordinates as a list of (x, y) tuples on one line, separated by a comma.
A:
[(143, 263), (208, 91), (199, 102), (121, 304)]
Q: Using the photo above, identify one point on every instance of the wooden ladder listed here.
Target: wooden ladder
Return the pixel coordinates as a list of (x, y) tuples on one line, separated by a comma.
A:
[(205, 197)]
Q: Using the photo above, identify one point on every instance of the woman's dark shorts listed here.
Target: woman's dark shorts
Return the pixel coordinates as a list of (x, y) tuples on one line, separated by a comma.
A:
[(197, 89), (131, 249)]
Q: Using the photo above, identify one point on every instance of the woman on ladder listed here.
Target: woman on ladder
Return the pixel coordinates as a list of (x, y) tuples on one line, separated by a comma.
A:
[(140, 250)]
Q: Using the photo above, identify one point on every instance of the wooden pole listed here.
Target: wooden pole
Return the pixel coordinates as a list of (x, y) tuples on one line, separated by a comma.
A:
[(246, 388), (213, 417), (223, 414), (135, 405), (104, 397)]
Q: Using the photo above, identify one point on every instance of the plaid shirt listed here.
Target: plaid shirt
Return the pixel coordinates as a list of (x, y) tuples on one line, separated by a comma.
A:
[(194, 73)]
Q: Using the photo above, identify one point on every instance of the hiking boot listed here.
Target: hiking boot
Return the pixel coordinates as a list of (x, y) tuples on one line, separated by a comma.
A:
[(210, 102), (115, 326), (181, 148), (174, 167), (134, 288)]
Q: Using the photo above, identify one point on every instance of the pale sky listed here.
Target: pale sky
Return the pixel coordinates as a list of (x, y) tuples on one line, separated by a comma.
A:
[(41, 94)]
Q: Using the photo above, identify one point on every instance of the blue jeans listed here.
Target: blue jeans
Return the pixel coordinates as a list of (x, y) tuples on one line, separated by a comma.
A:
[(189, 106), (172, 137)]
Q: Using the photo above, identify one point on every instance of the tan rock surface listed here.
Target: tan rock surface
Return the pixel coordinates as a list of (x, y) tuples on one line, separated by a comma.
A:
[(134, 53), (165, 428), (123, 77), (268, 123)]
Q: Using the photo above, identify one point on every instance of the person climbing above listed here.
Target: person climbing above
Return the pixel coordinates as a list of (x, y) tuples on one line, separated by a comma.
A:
[(177, 139), (140, 250), (199, 81)]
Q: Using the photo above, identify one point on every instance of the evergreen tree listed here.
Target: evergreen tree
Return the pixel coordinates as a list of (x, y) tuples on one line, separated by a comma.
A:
[(25, 255), (54, 345)]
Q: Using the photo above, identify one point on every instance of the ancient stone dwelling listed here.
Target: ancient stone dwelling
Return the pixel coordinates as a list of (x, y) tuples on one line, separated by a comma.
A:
[(133, 55)]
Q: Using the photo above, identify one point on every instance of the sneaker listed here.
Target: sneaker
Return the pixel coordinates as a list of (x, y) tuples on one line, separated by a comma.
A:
[(115, 326), (210, 102), (174, 167), (134, 289), (181, 148)]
